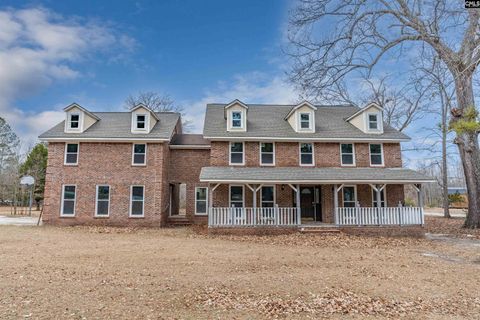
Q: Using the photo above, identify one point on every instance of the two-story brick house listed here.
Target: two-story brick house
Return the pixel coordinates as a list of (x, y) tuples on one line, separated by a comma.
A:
[(254, 165)]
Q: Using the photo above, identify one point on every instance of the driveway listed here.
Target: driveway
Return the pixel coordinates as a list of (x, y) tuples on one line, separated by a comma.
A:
[(18, 221)]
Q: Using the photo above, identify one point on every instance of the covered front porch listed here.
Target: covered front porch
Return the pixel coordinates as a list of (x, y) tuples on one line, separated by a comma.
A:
[(246, 197)]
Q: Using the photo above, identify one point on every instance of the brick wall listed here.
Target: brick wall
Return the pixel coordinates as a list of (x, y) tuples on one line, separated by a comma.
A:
[(287, 154), (107, 164), (184, 167)]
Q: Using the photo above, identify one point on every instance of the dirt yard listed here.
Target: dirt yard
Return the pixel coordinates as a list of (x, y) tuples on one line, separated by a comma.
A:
[(106, 273)]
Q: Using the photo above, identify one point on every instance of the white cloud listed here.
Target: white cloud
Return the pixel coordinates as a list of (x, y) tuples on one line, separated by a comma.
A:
[(39, 47), (253, 87)]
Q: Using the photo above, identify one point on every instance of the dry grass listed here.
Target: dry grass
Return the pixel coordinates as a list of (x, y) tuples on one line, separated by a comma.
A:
[(452, 227), (112, 273)]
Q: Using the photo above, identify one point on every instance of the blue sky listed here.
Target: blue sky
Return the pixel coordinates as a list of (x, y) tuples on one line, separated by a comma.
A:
[(96, 53)]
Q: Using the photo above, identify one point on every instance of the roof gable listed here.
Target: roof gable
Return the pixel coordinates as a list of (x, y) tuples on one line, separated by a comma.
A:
[(236, 102), (141, 105), (76, 105), (300, 105), (362, 110)]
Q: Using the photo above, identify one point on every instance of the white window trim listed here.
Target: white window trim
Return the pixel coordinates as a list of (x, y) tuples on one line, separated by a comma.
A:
[(65, 155), (96, 200), (69, 122), (370, 156), (260, 149), (355, 192), (274, 195), (230, 154), (374, 195), (242, 126), (206, 202), (379, 122), (131, 202), (353, 153), (300, 154), (74, 201), (230, 194), (133, 156), (310, 117), (147, 123)]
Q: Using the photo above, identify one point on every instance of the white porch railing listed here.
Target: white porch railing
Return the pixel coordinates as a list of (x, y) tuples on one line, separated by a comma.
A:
[(252, 217), (359, 216)]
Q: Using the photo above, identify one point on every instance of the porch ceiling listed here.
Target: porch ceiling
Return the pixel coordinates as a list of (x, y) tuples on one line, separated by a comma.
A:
[(311, 175)]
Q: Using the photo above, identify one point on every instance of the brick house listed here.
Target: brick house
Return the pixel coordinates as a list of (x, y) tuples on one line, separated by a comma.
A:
[(254, 165)]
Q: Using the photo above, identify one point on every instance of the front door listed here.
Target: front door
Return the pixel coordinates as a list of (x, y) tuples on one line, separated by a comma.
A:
[(310, 203)]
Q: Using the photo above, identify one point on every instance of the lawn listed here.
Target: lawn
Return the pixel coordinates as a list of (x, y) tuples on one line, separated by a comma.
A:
[(108, 273)]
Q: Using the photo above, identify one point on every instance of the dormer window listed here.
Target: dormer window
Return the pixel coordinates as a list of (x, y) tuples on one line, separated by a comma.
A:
[(305, 121), (372, 121), (74, 121), (141, 122), (237, 119)]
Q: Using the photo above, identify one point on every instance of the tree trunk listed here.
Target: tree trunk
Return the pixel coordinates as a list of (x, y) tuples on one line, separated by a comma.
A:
[(468, 148), (446, 212)]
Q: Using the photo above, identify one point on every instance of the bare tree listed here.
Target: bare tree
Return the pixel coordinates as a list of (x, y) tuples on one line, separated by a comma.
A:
[(357, 35), (157, 103)]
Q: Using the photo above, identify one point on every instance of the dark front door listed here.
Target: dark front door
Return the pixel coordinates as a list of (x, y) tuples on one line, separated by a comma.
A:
[(310, 204)]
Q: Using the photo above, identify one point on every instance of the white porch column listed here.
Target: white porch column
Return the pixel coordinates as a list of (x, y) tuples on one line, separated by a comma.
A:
[(335, 202), (299, 215), (379, 196)]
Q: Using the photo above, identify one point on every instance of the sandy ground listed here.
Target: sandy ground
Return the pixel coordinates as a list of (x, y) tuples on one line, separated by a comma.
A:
[(107, 273)]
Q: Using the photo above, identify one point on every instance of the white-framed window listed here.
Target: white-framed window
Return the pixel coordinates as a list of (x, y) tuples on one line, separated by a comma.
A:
[(376, 154), (372, 119), (267, 196), (102, 204), (74, 121), (139, 154), (69, 198), (349, 196), (71, 153), (236, 196), (201, 200), (305, 121), (267, 153), (306, 154), (237, 119), (141, 122), (383, 196), (237, 153), (137, 201), (347, 154)]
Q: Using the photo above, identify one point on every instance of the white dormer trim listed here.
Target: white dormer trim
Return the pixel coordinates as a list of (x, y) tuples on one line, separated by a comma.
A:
[(142, 110), (294, 117), (85, 118), (236, 107), (360, 119)]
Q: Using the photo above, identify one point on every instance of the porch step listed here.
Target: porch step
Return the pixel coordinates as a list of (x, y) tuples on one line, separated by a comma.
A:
[(318, 229), (178, 221)]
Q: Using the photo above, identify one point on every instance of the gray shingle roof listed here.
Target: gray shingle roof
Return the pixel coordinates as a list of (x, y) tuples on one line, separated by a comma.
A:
[(311, 175), (117, 125), (268, 121)]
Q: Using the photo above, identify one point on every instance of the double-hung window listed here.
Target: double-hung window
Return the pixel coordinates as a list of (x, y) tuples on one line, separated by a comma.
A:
[(139, 154), (236, 153), (102, 206), (236, 196), (74, 121), (347, 154), (201, 199), (69, 196), (373, 121), (71, 153), (268, 196), (382, 198), (306, 154), (141, 122), (376, 154), (305, 121), (137, 201), (349, 196), (267, 153), (237, 119)]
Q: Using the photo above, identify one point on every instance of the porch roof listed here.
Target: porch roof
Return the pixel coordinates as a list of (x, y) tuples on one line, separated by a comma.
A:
[(311, 175)]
